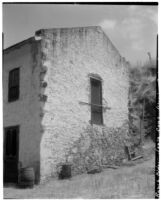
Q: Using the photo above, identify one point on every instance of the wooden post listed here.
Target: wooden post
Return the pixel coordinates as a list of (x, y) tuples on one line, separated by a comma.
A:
[(140, 131), (143, 109), (142, 121)]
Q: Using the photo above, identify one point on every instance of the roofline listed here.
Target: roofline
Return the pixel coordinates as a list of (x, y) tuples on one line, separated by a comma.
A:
[(40, 31), (19, 44)]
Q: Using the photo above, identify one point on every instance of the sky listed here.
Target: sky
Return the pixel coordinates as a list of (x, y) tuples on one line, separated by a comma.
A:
[(131, 28)]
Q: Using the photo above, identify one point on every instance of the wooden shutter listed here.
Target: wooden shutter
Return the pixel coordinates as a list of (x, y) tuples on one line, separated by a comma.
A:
[(13, 90), (96, 101)]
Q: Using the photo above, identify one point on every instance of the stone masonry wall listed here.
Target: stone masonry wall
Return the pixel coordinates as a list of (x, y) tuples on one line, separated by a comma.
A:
[(69, 57), (97, 148)]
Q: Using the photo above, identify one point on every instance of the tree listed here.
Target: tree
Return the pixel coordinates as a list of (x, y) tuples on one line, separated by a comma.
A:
[(143, 98)]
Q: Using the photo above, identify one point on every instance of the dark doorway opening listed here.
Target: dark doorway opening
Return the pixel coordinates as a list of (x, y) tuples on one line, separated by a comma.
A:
[(10, 156)]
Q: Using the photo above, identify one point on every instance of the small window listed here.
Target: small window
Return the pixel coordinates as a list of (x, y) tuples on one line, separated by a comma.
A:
[(13, 86), (96, 101)]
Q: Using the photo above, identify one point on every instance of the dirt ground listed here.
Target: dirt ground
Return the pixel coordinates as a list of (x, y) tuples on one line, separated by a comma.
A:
[(134, 180)]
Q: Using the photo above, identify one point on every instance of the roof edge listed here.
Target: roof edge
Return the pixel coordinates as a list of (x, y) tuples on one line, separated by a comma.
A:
[(39, 32), (19, 44)]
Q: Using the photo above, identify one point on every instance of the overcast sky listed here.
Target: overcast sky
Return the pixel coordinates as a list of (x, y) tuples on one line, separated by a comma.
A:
[(132, 29)]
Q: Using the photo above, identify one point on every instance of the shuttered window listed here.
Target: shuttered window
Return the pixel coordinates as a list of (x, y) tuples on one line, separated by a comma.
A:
[(96, 101), (13, 86)]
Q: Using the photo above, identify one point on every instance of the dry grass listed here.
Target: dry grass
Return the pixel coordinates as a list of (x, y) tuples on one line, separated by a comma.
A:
[(126, 182)]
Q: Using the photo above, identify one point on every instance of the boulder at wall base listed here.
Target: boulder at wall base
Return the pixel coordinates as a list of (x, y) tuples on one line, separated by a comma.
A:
[(26, 177), (94, 170)]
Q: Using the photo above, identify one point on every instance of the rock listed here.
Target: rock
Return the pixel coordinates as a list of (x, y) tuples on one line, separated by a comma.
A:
[(94, 170)]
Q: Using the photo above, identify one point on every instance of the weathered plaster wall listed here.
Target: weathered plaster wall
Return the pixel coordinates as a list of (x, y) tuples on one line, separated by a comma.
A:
[(26, 110), (68, 57)]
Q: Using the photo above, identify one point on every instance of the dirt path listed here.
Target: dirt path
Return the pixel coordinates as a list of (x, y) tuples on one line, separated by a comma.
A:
[(125, 182)]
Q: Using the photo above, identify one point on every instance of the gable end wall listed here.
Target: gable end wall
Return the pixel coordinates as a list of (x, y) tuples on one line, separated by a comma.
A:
[(69, 57)]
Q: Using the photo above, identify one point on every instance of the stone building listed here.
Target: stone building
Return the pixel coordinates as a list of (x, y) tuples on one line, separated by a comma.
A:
[(65, 99)]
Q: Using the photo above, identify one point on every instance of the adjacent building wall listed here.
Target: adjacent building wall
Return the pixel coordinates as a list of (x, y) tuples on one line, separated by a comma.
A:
[(26, 110), (70, 57)]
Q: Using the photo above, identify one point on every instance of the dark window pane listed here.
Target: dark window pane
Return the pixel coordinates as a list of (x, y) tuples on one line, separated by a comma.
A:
[(13, 90), (14, 93)]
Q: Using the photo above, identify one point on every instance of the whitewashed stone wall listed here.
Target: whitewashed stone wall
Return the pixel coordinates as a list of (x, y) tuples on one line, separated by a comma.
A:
[(68, 57)]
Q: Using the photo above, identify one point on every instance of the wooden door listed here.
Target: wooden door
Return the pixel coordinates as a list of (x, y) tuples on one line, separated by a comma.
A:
[(10, 157)]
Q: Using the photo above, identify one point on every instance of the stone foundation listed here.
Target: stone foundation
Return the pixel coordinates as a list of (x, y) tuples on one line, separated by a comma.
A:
[(97, 146)]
